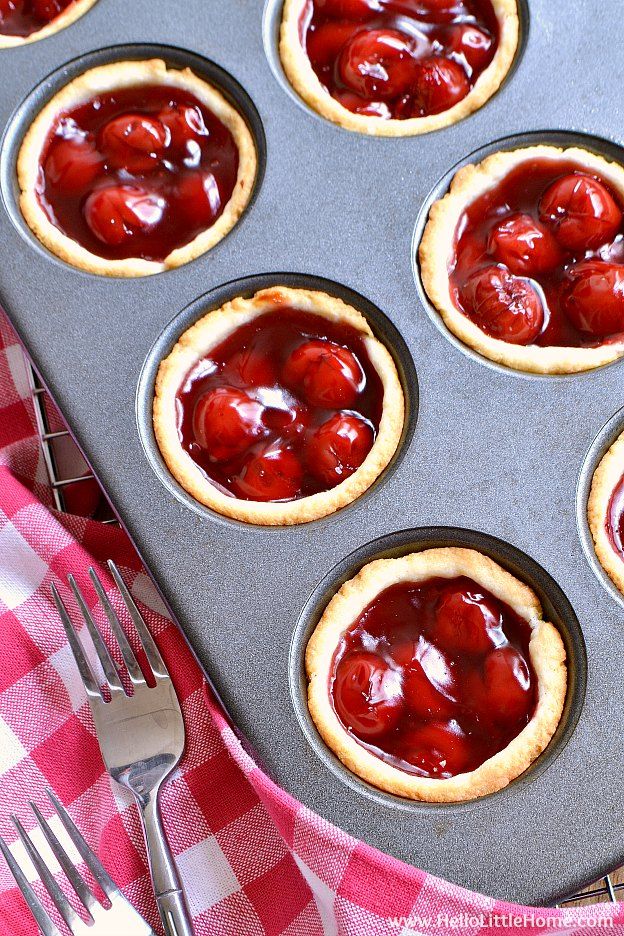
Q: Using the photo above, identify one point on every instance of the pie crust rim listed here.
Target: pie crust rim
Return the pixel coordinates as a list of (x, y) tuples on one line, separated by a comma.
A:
[(211, 329), (437, 247), (546, 651), (606, 477), (68, 16), (305, 82), (123, 74)]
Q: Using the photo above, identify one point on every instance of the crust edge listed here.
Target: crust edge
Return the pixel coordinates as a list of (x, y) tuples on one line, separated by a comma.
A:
[(546, 650), (132, 74), (212, 328), (606, 477), (62, 21), (436, 247), (305, 82)]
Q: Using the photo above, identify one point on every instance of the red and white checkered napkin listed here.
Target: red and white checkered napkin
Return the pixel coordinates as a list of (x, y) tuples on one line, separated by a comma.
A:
[(254, 861)]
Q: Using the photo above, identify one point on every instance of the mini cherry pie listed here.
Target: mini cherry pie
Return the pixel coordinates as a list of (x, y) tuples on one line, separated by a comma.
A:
[(23, 21), (134, 168), (605, 511), (278, 409), (434, 676), (397, 67), (524, 259)]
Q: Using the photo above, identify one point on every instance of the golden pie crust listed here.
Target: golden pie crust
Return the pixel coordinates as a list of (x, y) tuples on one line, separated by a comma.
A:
[(211, 330), (437, 249), (306, 83), (606, 478), (125, 75), (69, 15), (546, 651)]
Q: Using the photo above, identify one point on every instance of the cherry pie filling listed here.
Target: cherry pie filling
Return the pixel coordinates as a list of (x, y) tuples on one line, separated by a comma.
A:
[(539, 258), (24, 17), (615, 519), (435, 677), (287, 406), (396, 59), (137, 172)]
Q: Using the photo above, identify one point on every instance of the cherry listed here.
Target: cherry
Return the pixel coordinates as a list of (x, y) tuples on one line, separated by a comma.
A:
[(72, 164), (507, 686), (525, 246), (325, 373), (582, 212), (117, 212), (184, 122), (358, 105), (593, 297), (438, 83), (377, 63), (503, 305), (356, 10), (9, 7), (338, 448), (367, 694), (438, 749), (226, 422), (254, 368), (423, 692), (472, 44), (273, 475), (134, 142), (48, 9), (325, 42), (466, 622), (198, 197)]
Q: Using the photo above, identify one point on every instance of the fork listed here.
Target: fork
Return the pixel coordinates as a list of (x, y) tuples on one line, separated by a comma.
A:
[(141, 736), (120, 917)]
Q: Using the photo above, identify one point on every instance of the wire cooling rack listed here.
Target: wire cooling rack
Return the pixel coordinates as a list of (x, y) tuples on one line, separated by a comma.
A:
[(62, 458)]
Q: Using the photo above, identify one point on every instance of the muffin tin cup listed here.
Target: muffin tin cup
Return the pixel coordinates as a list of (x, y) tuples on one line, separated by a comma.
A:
[(381, 326), (563, 139), (556, 608), (482, 449), (599, 448), (177, 58)]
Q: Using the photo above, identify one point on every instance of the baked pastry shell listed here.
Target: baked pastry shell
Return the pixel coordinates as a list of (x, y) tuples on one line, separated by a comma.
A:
[(69, 15), (546, 651), (212, 329), (437, 247), (304, 80), (606, 478), (127, 74)]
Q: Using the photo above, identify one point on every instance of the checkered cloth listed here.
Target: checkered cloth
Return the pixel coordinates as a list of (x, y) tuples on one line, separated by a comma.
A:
[(253, 860)]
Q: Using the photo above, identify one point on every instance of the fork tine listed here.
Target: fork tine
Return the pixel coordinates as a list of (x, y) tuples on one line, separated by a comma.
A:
[(59, 899), (84, 667), (127, 652), (151, 650), (44, 922), (114, 682), (71, 872), (90, 859)]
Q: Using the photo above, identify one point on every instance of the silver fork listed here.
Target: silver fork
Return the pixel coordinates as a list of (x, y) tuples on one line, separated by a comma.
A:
[(120, 918), (141, 736)]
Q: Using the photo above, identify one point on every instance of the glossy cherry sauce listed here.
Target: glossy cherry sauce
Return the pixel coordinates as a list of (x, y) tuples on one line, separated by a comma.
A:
[(288, 405), (615, 518), (435, 677), (550, 235), (25, 17), (137, 172), (399, 58)]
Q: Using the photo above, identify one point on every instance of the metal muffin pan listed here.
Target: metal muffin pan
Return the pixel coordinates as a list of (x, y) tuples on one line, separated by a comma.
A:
[(490, 452)]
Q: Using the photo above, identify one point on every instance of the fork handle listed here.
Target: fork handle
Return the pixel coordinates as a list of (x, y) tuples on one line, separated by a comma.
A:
[(168, 889)]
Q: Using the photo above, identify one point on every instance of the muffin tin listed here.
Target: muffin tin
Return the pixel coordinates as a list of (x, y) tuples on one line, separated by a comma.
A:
[(485, 449)]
